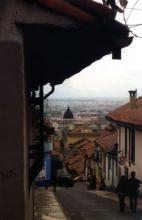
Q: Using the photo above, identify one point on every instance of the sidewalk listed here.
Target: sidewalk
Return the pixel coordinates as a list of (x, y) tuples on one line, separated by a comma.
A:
[(46, 206), (113, 196)]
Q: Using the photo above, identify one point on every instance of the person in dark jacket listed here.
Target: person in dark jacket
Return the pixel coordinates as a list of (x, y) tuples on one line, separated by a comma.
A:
[(122, 190), (134, 185), (92, 182), (101, 184)]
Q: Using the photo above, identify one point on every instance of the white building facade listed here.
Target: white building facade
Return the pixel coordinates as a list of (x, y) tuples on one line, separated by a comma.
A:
[(128, 120)]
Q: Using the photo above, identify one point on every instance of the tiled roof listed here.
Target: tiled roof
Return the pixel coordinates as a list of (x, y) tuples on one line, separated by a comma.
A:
[(76, 163), (85, 11), (88, 149), (101, 133), (80, 143), (76, 159), (107, 141), (82, 135), (128, 115)]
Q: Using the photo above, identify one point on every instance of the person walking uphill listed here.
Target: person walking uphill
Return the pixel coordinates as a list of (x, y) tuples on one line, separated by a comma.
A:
[(134, 185), (122, 191)]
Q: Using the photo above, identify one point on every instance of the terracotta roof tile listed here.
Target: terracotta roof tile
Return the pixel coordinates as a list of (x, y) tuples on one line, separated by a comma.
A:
[(79, 134), (76, 160), (128, 115), (80, 10), (88, 149), (80, 143), (77, 164), (101, 133), (107, 142)]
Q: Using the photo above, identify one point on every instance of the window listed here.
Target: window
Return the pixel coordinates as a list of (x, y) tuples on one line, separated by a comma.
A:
[(109, 166), (132, 144), (126, 143)]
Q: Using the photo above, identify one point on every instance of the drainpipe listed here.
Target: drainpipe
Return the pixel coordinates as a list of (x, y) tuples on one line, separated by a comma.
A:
[(51, 91), (41, 115), (42, 98)]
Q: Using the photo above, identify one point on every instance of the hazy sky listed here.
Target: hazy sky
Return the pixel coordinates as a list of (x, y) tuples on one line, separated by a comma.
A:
[(107, 77)]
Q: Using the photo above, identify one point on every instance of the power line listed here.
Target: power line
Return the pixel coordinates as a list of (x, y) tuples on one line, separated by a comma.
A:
[(132, 10), (136, 9), (134, 25), (126, 20)]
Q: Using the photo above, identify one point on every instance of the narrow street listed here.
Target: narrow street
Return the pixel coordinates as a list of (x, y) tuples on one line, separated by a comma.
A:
[(81, 204)]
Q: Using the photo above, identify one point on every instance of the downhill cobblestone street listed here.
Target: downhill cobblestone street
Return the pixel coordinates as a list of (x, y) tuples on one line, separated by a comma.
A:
[(82, 204), (78, 203)]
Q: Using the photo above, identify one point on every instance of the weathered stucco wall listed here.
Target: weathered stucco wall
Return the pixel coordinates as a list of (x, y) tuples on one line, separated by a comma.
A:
[(20, 11), (16, 199), (12, 138)]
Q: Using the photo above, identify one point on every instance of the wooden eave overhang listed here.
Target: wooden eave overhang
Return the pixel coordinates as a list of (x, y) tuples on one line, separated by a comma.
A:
[(54, 53), (104, 150), (124, 124)]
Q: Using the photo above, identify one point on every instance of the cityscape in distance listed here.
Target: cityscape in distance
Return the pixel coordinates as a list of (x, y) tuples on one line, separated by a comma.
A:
[(86, 106)]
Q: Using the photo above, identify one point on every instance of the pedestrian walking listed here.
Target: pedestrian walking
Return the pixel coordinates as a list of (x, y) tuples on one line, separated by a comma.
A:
[(134, 185), (92, 182), (101, 184), (122, 190)]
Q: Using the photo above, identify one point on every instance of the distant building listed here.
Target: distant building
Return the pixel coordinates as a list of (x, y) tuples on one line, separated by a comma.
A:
[(68, 119), (106, 158), (79, 159)]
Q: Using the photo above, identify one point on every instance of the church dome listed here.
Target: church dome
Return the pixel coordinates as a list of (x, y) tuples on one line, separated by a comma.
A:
[(68, 114)]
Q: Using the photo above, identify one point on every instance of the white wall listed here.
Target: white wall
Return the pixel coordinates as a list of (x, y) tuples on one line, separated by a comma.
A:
[(111, 179), (13, 159), (122, 139), (137, 167), (138, 155)]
